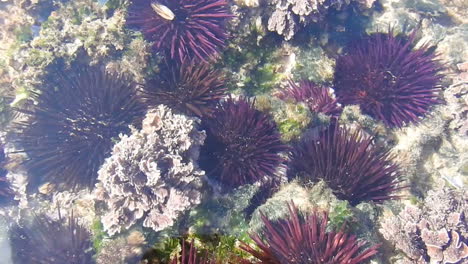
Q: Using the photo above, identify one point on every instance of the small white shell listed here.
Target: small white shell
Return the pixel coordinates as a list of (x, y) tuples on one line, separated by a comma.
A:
[(163, 11)]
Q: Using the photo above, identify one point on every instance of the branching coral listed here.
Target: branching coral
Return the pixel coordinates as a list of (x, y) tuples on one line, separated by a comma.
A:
[(47, 241), (152, 174), (182, 28), (70, 129), (434, 233), (317, 97), (389, 77), (191, 88), (354, 168), (243, 144), (304, 239)]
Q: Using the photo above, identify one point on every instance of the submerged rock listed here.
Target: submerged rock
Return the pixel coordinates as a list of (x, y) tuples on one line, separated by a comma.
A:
[(289, 15)]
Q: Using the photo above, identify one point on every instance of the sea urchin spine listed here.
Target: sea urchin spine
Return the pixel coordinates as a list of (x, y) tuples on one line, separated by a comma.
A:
[(317, 97), (242, 145), (182, 28), (191, 88), (6, 193), (71, 128), (389, 78), (48, 241), (299, 240), (354, 168)]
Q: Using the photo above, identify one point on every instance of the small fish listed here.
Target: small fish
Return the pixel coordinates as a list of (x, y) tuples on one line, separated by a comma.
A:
[(163, 11)]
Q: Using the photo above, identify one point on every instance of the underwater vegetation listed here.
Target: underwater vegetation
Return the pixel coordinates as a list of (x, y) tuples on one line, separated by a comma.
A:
[(191, 88), (194, 29), (190, 256), (47, 241), (70, 129), (317, 97), (242, 144), (389, 77), (305, 239), (354, 168)]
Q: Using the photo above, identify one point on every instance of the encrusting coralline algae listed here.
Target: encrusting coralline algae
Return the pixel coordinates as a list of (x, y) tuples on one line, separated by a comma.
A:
[(434, 232), (152, 174)]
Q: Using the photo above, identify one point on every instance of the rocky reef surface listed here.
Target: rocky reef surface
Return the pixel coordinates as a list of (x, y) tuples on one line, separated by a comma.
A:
[(153, 202)]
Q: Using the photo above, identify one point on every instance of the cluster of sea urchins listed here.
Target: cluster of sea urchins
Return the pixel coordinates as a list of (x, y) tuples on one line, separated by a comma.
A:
[(191, 88), (388, 77), (47, 241), (182, 29), (243, 145), (70, 129), (305, 239), (348, 161)]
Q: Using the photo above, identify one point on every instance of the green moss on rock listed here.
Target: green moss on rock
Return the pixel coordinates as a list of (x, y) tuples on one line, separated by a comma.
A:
[(252, 62), (291, 118)]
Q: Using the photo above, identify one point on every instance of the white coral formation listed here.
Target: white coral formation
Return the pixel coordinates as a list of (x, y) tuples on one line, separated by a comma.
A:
[(152, 174), (434, 233)]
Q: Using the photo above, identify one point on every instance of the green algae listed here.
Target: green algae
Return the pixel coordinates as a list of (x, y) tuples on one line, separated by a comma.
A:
[(340, 215), (223, 214), (98, 235), (23, 33), (291, 118), (312, 63), (222, 248), (253, 63), (163, 251)]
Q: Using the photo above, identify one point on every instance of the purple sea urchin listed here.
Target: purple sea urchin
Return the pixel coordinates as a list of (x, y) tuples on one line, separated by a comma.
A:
[(193, 89), (317, 97), (71, 127), (182, 28), (388, 77), (354, 168), (47, 241), (303, 240), (242, 145)]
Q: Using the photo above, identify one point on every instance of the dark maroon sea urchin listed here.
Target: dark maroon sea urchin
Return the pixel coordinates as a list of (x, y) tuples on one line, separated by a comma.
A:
[(388, 77), (242, 145), (317, 97), (182, 28), (71, 128), (305, 240), (47, 241), (192, 88), (354, 168)]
